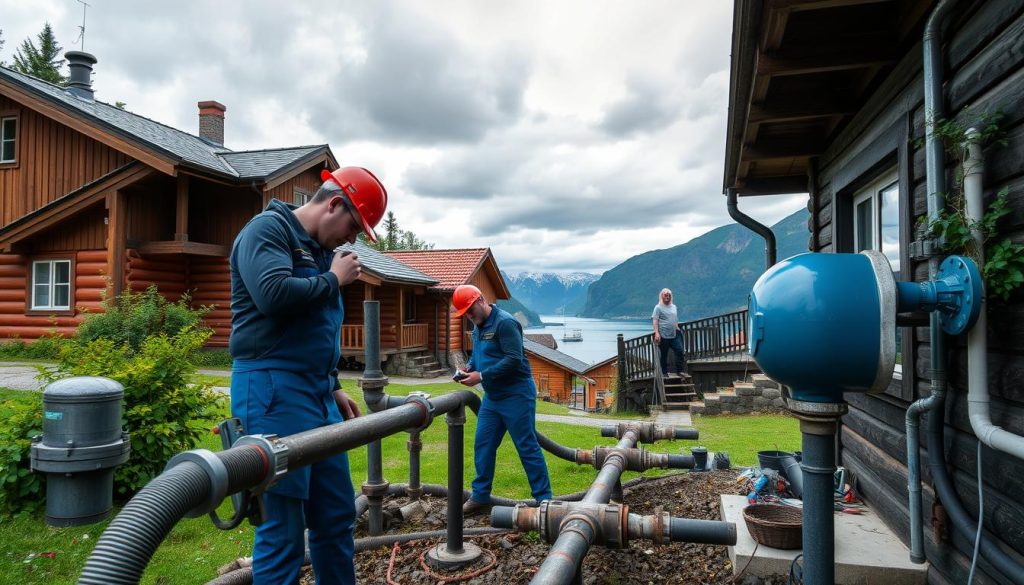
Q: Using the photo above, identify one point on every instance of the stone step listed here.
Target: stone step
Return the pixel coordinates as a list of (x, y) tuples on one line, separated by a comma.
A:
[(435, 373), (677, 396), (423, 359), (677, 406), (763, 381)]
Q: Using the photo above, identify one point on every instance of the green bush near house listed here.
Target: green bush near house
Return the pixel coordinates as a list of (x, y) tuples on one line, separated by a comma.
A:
[(44, 348), (22, 491), (132, 317)]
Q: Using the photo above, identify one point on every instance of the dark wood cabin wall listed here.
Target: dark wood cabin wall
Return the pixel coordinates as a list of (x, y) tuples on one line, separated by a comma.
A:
[(352, 297), (149, 212), (389, 296), (85, 231), (209, 279), (169, 272), (308, 181), (53, 160), (90, 268), (425, 314), (984, 73), (458, 327), (216, 213)]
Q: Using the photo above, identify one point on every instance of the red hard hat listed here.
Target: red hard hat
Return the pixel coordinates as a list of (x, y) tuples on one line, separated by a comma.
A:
[(366, 193), (464, 297)]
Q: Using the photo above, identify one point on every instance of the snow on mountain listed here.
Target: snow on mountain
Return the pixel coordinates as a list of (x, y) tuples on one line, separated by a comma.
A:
[(549, 292)]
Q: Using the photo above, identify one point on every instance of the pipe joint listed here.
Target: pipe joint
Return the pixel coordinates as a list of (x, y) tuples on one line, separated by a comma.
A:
[(215, 470), (648, 432), (275, 456), (639, 459), (375, 489), (421, 399)]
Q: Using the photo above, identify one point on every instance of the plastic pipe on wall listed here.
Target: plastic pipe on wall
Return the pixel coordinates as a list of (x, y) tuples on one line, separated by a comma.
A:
[(977, 339)]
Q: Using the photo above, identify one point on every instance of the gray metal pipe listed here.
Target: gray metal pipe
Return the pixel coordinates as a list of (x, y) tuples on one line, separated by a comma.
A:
[(752, 224), (818, 464), (373, 486), (371, 340), (415, 447), (456, 420), (936, 188)]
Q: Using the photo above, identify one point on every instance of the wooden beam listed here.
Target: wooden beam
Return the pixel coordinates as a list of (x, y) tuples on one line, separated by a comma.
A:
[(799, 109), (781, 149), (820, 60), (774, 29), (117, 231), (803, 5), (181, 210), (773, 185), (179, 247)]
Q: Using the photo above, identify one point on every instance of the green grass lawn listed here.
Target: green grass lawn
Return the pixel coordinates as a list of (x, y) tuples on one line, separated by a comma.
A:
[(194, 549)]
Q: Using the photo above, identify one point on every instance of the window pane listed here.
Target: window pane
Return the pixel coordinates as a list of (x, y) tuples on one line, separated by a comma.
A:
[(863, 227), (7, 154), (63, 272), (62, 296), (41, 298), (890, 201), (9, 127), (41, 273)]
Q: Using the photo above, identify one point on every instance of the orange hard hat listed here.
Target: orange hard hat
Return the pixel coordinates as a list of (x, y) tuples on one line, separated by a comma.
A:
[(366, 193), (464, 297)]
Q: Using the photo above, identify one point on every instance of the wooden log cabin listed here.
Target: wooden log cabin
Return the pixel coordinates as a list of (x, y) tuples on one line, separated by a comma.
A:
[(452, 339), (95, 200), (827, 98), (564, 379)]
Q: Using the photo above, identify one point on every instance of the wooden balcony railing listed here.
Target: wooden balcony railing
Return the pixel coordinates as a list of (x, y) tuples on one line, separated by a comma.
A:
[(352, 337), (414, 335), (715, 336)]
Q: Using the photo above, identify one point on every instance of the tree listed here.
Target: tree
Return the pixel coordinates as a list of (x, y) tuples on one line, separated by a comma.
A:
[(44, 61), (392, 237), (1, 44)]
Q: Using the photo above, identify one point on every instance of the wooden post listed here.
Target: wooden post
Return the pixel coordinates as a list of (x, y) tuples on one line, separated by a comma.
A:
[(621, 373), (116, 241), (181, 210)]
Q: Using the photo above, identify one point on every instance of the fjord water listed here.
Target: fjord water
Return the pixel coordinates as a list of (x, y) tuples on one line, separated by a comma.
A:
[(598, 335)]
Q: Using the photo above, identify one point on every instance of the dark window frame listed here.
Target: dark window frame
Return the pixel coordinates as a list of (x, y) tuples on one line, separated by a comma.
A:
[(30, 284), (891, 148)]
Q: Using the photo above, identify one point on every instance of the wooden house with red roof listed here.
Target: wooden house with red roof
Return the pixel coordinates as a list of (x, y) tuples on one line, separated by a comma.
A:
[(561, 378), (95, 200), (451, 268)]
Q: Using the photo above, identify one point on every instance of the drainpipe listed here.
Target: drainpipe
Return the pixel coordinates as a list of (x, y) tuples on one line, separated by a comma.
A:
[(936, 188), (977, 340), (749, 222)]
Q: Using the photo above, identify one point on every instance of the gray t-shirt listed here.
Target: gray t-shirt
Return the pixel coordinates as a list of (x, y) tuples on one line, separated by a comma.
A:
[(668, 318)]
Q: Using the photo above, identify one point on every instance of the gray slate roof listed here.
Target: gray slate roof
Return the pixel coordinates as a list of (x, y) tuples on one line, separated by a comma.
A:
[(186, 147), (553, 355), (386, 267)]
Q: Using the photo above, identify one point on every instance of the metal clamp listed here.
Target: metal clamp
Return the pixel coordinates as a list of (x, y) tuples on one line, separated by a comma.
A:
[(277, 458), (215, 471), (423, 400)]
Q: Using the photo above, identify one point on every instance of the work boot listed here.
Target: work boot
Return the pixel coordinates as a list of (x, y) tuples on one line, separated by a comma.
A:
[(473, 507)]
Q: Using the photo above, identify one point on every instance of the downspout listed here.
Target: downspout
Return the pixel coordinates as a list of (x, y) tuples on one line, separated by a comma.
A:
[(936, 188), (749, 222), (977, 339)]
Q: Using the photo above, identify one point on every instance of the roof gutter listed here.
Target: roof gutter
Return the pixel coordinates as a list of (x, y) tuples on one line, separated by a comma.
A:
[(751, 224)]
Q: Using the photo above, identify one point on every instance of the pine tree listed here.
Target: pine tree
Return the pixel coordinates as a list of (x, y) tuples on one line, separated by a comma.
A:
[(44, 61), (1, 44), (392, 237), (392, 233)]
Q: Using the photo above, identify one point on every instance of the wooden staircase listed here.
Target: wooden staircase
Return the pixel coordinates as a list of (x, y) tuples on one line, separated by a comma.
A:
[(679, 392)]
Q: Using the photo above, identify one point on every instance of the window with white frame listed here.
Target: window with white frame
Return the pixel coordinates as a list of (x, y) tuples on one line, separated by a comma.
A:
[(51, 284), (8, 139), (876, 218)]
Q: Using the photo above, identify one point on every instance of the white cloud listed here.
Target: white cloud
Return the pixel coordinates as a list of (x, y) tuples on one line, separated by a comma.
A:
[(564, 135)]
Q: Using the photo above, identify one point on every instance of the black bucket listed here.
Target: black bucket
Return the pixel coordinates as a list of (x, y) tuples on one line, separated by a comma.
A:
[(700, 458), (786, 464)]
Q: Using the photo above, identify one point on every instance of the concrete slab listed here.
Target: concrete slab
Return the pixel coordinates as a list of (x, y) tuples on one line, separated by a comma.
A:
[(867, 552), (677, 418)]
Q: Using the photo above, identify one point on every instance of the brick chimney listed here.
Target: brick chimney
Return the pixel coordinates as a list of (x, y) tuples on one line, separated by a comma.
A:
[(211, 121), (80, 64)]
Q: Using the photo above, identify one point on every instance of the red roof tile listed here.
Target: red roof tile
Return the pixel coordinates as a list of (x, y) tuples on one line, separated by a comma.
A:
[(449, 267)]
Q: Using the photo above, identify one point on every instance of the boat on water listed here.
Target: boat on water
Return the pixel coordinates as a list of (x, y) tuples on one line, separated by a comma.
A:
[(575, 335)]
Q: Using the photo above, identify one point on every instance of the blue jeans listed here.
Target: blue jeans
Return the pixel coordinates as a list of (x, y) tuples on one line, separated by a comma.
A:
[(517, 416), (676, 345)]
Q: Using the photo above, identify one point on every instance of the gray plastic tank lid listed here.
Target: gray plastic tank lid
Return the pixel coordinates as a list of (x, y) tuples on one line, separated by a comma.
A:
[(83, 389)]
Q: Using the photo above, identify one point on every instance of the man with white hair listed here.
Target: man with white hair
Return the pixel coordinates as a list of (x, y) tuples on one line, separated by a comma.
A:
[(666, 332)]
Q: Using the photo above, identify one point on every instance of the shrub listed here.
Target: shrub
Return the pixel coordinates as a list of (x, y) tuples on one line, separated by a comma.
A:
[(212, 358), (132, 317), (22, 491), (164, 412), (44, 348)]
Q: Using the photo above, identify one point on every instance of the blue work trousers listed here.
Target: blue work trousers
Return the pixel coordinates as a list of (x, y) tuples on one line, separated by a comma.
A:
[(319, 497), (517, 416)]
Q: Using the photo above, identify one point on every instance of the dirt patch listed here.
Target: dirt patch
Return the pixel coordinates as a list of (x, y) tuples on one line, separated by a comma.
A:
[(518, 555)]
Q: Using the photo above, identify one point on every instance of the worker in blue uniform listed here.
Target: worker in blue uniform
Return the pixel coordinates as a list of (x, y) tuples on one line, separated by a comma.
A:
[(286, 316), (510, 397)]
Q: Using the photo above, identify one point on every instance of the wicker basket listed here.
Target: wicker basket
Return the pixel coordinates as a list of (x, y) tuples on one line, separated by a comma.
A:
[(775, 525)]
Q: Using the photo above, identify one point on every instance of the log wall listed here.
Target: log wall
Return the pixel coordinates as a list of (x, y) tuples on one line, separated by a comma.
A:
[(90, 270)]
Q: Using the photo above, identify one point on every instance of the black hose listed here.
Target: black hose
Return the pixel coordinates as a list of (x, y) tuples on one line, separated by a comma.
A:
[(560, 451), (243, 576), (1011, 570), (126, 546)]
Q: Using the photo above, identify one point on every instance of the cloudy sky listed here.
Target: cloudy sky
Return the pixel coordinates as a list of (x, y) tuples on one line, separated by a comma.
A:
[(566, 135)]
